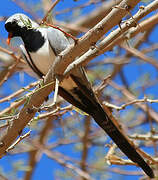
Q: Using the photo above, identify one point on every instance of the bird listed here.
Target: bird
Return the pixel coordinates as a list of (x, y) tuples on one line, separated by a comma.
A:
[(41, 45)]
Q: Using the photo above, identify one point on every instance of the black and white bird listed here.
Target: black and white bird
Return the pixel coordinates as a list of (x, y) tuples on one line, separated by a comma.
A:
[(41, 46)]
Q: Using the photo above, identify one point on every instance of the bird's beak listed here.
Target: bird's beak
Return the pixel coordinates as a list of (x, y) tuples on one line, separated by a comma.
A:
[(10, 35)]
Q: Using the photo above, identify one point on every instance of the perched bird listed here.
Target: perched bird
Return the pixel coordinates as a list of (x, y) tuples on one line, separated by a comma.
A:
[(41, 46)]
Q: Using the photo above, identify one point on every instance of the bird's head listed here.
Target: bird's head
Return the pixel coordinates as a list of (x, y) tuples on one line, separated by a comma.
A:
[(17, 24)]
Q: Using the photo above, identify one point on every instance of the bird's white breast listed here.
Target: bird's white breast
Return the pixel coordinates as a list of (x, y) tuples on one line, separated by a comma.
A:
[(44, 57)]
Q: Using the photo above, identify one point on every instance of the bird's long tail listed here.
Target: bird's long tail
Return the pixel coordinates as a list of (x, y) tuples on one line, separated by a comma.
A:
[(105, 123), (84, 98)]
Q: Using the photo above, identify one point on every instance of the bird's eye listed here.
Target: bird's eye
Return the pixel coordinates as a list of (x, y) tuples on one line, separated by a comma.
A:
[(14, 22)]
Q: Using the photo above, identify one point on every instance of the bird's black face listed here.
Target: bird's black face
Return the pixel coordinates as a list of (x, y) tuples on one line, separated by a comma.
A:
[(13, 30), (19, 25)]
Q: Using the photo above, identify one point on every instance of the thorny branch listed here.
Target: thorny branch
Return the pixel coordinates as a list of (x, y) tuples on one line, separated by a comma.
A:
[(86, 49)]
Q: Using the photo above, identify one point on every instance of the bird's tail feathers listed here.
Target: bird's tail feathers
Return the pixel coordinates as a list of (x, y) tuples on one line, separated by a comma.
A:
[(91, 106), (103, 120)]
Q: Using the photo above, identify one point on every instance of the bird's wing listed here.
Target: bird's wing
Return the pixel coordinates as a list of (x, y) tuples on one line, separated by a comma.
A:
[(69, 88), (59, 42), (57, 39)]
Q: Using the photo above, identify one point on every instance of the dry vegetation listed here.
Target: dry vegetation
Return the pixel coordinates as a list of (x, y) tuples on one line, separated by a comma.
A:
[(124, 76)]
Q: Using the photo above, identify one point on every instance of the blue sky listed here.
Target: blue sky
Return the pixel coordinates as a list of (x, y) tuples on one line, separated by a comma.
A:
[(46, 168)]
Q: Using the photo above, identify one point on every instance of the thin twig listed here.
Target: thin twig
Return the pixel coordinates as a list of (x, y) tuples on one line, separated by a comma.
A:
[(17, 93), (48, 12), (18, 141)]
